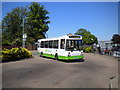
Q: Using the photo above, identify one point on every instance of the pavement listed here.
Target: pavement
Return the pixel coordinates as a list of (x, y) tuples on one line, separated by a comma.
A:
[(38, 72)]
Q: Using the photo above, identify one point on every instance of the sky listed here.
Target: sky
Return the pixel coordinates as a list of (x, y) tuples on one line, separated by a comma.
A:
[(100, 18)]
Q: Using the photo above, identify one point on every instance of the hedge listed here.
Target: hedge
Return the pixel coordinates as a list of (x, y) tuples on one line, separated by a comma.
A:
[(15, 54), (88, 49)]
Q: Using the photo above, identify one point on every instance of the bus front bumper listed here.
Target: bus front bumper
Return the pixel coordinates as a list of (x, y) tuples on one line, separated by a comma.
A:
[(70, 57)]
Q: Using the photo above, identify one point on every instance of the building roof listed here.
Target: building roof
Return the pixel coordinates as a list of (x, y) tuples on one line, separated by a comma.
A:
[(105, 41)]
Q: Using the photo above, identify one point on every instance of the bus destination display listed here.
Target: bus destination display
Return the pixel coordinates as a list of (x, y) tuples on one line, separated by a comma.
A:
[(74, 36)]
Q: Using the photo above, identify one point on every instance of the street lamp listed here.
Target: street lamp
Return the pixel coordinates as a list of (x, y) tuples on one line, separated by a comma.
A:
[(98, 48), (98, 45), (24, 35)]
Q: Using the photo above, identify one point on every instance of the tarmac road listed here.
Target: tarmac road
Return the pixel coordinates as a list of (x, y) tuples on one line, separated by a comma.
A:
[(39, 72)]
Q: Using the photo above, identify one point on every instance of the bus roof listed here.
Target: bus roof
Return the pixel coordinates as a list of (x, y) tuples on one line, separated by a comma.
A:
[(63, 37)]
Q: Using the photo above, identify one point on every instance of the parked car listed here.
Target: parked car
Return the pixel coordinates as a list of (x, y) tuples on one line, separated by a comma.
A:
[(116, 53)]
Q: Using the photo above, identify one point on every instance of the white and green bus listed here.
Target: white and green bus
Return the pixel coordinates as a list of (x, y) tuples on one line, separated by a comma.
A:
[(66, 47)]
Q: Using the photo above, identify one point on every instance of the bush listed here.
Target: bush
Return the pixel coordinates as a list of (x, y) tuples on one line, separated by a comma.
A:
[(15, 54), (88, 49), (84, 49)]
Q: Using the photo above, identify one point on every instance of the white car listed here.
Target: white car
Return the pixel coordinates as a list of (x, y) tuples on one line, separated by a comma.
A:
[(116, 54)]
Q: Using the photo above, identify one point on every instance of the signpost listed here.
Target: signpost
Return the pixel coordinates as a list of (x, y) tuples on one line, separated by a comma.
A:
[(24, 39), (24, 36)]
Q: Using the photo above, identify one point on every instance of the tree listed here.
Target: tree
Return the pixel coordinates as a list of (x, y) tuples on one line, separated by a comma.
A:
[(12, 26), (81, 31), (37, 21), (116, 39), (87, 37), (35, 24)]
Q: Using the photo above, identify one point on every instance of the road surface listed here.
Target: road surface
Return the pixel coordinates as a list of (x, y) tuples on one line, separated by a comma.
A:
[(39, 72)]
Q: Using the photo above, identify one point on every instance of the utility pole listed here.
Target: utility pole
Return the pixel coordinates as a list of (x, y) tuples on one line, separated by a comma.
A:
[(24, 36)]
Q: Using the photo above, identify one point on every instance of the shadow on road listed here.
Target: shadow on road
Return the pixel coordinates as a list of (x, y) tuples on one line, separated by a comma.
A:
[(66, 61), (16, 60), (72, 61)]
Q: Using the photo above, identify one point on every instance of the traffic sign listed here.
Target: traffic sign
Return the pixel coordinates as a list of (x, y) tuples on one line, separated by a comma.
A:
[(24, 35)]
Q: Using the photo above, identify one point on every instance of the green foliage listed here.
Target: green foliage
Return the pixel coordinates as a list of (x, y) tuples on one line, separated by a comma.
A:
[(81, 31), (37, 21), (15, 54), (12, 26), (88, 49), (35, 24), (87, 37)]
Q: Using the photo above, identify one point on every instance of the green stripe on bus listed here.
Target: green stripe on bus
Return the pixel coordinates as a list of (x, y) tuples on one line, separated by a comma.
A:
[(64, 57), (48, 55), (70, 57)]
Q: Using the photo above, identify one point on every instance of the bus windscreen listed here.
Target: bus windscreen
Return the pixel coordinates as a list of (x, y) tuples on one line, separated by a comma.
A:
[(73, 45)]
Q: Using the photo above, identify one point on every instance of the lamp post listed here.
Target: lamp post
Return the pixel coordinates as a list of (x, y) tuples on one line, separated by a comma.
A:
[(24, 36), (23, 43), (98, 48)]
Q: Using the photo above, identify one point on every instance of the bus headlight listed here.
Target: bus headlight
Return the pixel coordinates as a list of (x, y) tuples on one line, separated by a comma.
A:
[(81, 54), (81, 51)]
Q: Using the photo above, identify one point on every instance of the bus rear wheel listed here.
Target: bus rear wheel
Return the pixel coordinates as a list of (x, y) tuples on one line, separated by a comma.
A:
[(41, 54), (56, 57)]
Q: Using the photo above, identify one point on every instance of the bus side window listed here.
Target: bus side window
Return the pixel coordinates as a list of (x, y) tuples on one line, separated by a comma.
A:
[(46, 44), (51, 44), (62, 45), (38, 45), (42, 44), (55, 44)]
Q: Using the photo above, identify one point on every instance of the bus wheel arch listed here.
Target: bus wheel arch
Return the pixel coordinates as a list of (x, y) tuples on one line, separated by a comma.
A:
[(41, 54), (56, 56)]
